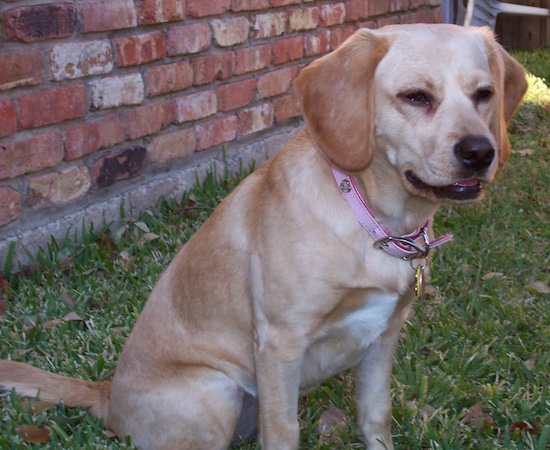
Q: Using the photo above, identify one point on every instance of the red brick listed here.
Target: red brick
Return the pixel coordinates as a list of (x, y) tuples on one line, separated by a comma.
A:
[(202, 8), (40, 22), (168, 78), (106, 15), (317, 44), (255, 119), (10, 205), (148, 119), (122, 165), (152, 11), (275, 82), (332, 14), (186, 39), (303, 19), (251, 59), (20, 68), (216, 132), (339, 35), (117, 91), (30, 155), (399, 5), (207, 69), (139, 49), (59, 187), (52, 106), (80, 59), (269, 25), (228, 32), (235, 95), (376, 8), (8, 122), (288, 49), (276, 3), (89, 137), (286, 108), (173, 146), (357, 9), (249, 5), (195, 106)]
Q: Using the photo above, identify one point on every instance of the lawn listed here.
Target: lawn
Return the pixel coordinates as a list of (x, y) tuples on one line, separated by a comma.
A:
[(473, 366)]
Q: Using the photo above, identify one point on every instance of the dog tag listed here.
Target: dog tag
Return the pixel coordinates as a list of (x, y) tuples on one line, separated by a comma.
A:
[(419, 282)]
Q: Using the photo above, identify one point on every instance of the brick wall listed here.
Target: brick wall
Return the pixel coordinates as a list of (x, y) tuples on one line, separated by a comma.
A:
[(110, 103)]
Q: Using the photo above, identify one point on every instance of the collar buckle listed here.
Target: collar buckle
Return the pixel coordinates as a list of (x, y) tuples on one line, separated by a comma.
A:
[(419, 251)]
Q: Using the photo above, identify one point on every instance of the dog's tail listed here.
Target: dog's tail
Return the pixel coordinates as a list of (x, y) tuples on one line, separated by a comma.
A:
[(30, 382)]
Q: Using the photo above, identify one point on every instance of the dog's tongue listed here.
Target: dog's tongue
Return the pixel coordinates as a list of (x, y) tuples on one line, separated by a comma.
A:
[(467, 183)]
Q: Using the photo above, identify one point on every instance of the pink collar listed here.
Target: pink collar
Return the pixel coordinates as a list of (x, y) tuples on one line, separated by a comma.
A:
[(411, 246)]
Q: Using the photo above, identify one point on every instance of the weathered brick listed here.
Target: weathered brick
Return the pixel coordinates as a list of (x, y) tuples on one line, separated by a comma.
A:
[(228, 32), (154, 11), (139, 49), (52, 106), (173, 146), (303, 19), (286, 108), (81, 59), (39, 22), (216, 132), (148, 119), (275, 82), (89, 137), (332, 14), (10, 205), (255, 119), (117, 91), (30, 155), (399, 5), (288, 49), (269, 25), (207, 69), (317, 44), (251, 59), (276, 3), (195, 106), (235, 95), (122, 165), (20, 68), (249, 5), (168, 78), (376, 8), (8, 122), (58, 187), (202, 8), (357, 9), (106, 15), (185, 39)]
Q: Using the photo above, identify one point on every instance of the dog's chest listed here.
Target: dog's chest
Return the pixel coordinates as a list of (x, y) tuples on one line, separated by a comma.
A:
[(342, 343)]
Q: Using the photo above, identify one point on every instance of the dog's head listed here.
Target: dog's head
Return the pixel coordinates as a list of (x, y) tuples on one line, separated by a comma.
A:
[(436, 100)]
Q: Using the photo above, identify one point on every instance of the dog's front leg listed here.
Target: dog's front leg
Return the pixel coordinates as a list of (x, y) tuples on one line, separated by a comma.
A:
[(373, 380), (278, 378)]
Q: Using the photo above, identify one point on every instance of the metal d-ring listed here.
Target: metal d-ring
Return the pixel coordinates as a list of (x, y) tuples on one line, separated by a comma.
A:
[(421, 252)]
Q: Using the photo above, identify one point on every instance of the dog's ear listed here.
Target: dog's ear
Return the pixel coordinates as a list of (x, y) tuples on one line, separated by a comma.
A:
[(511, 86), (336, 96)]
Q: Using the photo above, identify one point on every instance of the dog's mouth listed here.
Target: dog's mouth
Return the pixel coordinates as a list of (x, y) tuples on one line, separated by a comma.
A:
[(461, 191)]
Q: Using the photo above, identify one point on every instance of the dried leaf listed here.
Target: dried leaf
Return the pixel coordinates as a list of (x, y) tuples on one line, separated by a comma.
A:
[(425, 351), (525, 152), (72, 317), (430, 290), (34, 435), (110, 434), (129, 263), (67, 299), (520, 427), (530, 363), (331, 423), (33, 320), (476, 417), (490, 275), (148, 237), (143, 227), (540, 286), (33, 406)]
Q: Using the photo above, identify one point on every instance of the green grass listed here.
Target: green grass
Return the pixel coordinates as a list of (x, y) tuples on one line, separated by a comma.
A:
[(482, 337)]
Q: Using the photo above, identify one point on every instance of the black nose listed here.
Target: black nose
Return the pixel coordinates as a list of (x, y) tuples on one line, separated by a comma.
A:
[(475, 153)]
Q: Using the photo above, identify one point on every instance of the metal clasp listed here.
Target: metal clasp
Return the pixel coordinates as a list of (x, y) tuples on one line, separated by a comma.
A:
[(421, 252)]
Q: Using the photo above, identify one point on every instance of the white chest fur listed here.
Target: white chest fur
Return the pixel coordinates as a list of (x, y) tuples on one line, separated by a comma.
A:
[(343, 343)]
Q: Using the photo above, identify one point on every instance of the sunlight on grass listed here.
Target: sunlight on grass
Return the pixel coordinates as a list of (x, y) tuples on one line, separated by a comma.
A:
[(538, 92)]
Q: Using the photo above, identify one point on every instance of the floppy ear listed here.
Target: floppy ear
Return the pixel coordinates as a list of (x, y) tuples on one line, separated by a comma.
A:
[(511, 86), (336, 96)]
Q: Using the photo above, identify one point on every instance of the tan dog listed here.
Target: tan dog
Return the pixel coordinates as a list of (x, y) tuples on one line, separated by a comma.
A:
[(282, 287)]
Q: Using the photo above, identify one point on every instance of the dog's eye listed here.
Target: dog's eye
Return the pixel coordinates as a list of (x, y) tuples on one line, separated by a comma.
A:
[(417, 98), (483, 95)]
